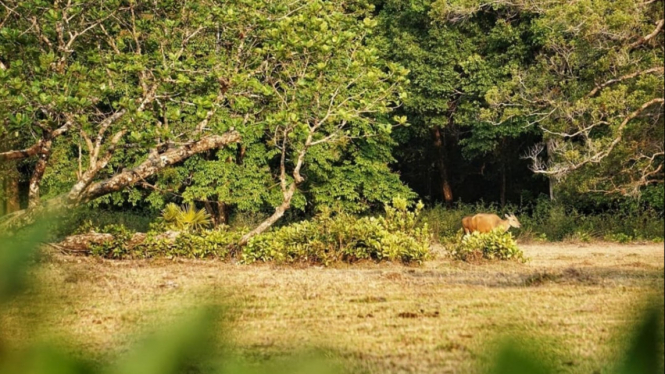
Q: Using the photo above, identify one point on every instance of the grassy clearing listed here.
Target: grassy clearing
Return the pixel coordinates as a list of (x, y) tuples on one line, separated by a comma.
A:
[(436, 318)]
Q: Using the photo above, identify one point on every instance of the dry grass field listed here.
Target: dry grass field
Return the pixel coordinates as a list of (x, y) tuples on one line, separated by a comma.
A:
[(570, 301)]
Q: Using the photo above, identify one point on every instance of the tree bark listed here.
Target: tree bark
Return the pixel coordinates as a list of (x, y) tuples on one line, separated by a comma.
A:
[(441, 159), (120, 181), (152, 165), (222, 213), (550, 155), (502, 196), (38, 173), (279, 213), (12, 193)]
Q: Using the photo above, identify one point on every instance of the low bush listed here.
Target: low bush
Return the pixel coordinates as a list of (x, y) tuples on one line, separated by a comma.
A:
[(329, 237), (116, 248), (494, 245), (202, 244), (81, 219)]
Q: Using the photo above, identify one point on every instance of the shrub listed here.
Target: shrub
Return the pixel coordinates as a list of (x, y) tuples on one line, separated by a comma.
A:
[(492, 245), (81, 219), (329, 237), (116, 248), (202, 244), (186, 218)]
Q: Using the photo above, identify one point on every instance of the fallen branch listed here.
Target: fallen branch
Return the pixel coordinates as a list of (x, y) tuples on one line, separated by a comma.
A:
[(83, 243)]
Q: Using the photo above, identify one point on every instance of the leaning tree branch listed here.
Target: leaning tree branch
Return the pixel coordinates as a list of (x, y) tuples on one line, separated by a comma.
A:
[(154, 164), (624, 77), (22, 153), (538, 166), (35, 149), (645, 39)]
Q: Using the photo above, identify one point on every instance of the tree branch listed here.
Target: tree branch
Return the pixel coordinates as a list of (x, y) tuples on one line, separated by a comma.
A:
[(645, 39), (153, 164), (622, 78), (538, 166)]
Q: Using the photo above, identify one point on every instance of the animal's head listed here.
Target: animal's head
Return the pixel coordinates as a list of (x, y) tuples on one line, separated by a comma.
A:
[(512, 220)]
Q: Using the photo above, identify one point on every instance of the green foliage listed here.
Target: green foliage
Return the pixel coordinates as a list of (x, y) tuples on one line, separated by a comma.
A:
[(328, 238), (555, 221), (85, 218), (494, 245), (619, 238), (201, 244), (186, 218), (117, 247)]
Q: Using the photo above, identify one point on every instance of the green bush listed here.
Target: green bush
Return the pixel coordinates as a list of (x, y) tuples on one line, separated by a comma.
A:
[(203, 244), (186, 218), (117, 248), (329, 237), (79, 220), (491, 246)]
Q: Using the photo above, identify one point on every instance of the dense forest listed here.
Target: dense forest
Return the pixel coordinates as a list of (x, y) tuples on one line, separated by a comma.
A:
[(273, 108)]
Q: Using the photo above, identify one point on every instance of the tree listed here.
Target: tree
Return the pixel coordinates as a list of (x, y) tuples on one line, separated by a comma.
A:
[(453, 64), (147, 93), (595, 89), (135, 85), (329, 91)]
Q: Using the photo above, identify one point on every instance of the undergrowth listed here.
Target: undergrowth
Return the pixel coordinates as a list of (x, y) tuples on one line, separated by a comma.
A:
[(550, 221), (329, 237), (494, 245)]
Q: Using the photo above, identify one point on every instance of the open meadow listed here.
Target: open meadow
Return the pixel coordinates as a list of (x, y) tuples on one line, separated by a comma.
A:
[(571, 301)]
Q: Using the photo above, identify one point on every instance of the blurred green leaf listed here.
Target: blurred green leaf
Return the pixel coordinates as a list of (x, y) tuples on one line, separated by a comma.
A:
[(644, 355), (15, 253)]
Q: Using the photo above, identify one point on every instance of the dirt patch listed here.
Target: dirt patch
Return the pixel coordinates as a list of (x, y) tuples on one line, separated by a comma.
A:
[(567, 276), (420, 314), (369, 299)]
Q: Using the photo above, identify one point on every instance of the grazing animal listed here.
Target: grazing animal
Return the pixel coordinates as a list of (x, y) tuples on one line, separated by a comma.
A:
[(484, 222)]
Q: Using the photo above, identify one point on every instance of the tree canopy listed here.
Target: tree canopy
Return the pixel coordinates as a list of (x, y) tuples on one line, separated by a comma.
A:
[(261, 106)]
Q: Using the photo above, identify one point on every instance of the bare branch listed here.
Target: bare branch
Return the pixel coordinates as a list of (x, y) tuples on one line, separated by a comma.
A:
[(645, 39), (22, 153), (560, 170), (624, 77)]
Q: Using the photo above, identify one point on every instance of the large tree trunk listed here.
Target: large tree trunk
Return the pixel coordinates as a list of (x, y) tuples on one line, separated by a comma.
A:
[(38, 173), (279, 213), (502, 197), (119, 181), (82, 243), (441, 163), (219, 212), (12, 192), (152, 165), (550, 155)]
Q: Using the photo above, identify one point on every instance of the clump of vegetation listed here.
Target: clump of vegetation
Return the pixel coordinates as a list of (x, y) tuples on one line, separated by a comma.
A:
[(329, 237), (116, 248), (186, 218), (203, 244), (546, 220), (493, 245)]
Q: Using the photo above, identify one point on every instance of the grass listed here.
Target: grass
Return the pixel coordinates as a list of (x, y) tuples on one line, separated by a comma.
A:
[(570, 301)]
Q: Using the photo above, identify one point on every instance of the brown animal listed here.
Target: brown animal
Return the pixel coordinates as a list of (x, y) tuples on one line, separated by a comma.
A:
[(484, 222)]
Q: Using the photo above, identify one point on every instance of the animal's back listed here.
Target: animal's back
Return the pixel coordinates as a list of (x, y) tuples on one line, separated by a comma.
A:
[(485, 222)]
